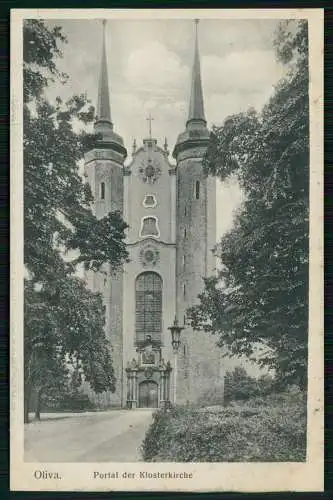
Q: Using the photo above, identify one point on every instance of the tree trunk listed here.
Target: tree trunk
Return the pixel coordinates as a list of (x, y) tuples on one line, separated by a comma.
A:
[(28, 385), (38, 404), (27, 394)]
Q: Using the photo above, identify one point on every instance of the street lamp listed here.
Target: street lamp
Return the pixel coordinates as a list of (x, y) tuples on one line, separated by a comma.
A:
[(175, 340)]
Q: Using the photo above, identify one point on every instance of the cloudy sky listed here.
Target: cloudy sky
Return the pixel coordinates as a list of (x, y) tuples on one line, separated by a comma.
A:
[(149, 63)]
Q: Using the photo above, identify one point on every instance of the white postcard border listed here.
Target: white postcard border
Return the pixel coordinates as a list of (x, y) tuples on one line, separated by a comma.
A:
[(241, 477)]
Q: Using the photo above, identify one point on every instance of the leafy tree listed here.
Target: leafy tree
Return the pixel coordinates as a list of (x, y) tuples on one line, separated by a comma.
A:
[(260, 295), (64, 321), (239, 385)]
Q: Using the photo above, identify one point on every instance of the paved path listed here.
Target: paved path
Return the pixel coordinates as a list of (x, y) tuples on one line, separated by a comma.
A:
[(112, 436)]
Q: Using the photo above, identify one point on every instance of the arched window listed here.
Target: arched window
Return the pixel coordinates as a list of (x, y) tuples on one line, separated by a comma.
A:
[(148, 307), (102, 190), (149, 227), (197, 190)]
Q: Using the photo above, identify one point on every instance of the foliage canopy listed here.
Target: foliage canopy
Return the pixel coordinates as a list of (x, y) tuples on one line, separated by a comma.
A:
[(64, 321), (260, 294)]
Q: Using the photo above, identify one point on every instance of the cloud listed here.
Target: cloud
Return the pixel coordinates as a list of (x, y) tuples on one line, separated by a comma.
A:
[(222, 36), (228, 198), (155, 70), (252, 71), (149, 69), (237, 81), (156, 81), (220, 106), (130, 110)]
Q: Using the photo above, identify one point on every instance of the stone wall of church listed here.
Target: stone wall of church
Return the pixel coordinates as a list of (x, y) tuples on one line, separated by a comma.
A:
[(200, 366), (105, 166)]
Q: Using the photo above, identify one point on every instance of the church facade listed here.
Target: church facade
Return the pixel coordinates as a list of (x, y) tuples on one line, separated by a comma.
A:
[(171, 212)]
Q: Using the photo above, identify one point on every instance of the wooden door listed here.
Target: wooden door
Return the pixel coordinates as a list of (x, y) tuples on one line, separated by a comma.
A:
[(148, 394)]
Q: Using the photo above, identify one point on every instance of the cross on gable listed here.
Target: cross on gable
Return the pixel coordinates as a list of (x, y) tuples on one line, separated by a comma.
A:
[(196, 25), (149, 120)]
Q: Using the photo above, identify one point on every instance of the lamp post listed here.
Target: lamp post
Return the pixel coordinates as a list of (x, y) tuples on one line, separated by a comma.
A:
[(175, 340)]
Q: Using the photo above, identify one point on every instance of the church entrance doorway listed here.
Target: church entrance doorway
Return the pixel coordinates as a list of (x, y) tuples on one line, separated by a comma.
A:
[(148, 394)]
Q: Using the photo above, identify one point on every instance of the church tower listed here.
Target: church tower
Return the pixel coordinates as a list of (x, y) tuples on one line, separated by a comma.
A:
[(104, 171), (199, 358)]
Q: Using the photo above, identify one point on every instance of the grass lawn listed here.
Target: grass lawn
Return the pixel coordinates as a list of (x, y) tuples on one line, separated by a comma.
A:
[(269, 429)]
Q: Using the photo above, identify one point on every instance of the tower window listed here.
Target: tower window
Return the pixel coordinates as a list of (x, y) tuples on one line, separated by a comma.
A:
[(183, 262), (184, 232), (149, 201), (184, 350), (148, 307), (185, 211), (149, 227), (197, 190), (102, 190), (184, 290)]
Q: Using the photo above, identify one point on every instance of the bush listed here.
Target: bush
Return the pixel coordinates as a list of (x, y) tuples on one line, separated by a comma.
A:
[(268, 430), (214, 396), (74, 400), (238, 385)]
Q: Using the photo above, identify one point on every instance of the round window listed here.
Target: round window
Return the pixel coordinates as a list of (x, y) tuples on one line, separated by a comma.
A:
[(149, 255), (150, 171)]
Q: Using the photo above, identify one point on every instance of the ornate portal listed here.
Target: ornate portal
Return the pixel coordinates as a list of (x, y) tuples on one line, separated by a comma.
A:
[(148, 378), (148, 386)]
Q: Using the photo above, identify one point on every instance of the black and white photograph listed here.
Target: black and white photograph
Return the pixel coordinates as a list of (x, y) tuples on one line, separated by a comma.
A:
[(167, 254)]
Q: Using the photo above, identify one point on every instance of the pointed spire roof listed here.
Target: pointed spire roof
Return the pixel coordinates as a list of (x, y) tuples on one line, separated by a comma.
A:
[(196, 132), (103, 101), (103, 124), (196, 107)]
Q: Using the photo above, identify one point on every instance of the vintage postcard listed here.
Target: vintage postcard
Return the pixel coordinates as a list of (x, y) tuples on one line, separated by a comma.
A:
[(167, 250)]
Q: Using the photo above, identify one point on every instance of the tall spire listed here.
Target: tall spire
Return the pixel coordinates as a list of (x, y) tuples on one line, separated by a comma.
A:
[(196, 108), (103, 125), (103, 101), (196, 132)]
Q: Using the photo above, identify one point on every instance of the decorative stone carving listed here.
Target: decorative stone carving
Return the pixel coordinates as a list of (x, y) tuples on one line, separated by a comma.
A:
[(148, 356), (149, 171), (149, 255), (162, 365), (148, 373), (158, 373)]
